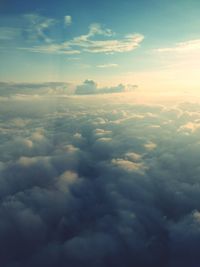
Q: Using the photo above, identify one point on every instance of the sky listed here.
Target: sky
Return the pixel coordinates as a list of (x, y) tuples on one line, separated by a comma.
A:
[(99, 133), (153, 44)]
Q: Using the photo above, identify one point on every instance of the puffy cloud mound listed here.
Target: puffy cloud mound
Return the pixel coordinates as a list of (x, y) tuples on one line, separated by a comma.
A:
[(89, 87), (98, 182)]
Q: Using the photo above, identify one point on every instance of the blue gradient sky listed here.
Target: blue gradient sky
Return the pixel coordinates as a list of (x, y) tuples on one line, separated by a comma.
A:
[(162, 51)]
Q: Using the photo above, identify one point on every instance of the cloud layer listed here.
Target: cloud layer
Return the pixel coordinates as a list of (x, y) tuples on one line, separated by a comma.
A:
[(89, 87), (98, 181), (60, 88)]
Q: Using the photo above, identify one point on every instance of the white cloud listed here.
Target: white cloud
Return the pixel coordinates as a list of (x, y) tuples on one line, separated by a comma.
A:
[(101, 132), (190, 127), (110, 65), (187, 46), (89, 87), (96, 29), (68, 20), (128, 165), (134, 157), (38, 31), (88, 43), (108, 46)]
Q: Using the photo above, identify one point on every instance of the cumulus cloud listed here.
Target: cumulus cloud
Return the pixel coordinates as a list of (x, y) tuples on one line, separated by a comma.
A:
[(129, 165), (88, 182), (89, 87)]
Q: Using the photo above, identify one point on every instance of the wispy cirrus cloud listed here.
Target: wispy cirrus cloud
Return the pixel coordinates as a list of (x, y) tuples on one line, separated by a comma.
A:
[(181, 60), (33, 28), (109, 65), (37, 36), (89, 87), (187, 46), (126, 44), (97, 29), (51, 49), (38, 25), (88, 43)]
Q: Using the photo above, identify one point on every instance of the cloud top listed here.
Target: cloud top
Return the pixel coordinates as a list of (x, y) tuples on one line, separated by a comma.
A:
[(89, 87), (92, 182)]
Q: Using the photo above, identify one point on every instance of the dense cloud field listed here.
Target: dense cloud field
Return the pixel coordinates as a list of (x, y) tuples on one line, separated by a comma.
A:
[(98, 181)]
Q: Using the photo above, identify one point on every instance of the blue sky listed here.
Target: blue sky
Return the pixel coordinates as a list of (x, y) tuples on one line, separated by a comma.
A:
[(149, 43)]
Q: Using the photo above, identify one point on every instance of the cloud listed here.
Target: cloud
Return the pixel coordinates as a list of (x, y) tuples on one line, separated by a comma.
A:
[(59, 89), (128, 165), (31, 30), (182, 47), (89, 43), (109, 46), (97, 29), (48, 88), (110, 65), (190, 126), (68, 20), (51, 49), (90, 87), (87, 181), (37, 27), (37, 35)]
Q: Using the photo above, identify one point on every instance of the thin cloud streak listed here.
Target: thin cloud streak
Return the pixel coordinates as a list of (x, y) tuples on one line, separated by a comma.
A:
[(110, 65), (187, 46)]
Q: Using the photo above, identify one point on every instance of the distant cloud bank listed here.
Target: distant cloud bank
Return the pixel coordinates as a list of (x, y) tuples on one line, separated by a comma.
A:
[(88, 87)]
